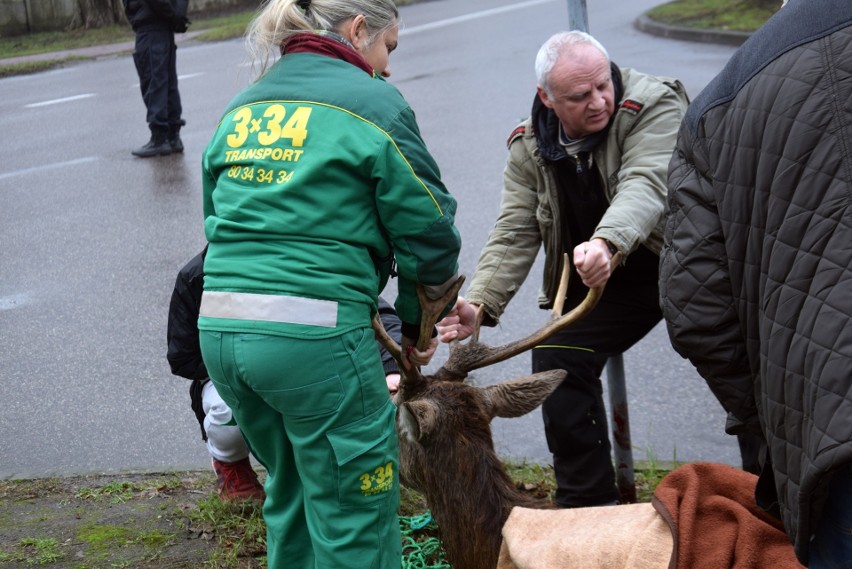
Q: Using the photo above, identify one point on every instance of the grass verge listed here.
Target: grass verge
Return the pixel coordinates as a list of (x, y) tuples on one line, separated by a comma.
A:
[(176, 520), (731, 15)]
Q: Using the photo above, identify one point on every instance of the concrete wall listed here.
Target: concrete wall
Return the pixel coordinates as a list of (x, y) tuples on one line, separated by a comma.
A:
[(19, 17)]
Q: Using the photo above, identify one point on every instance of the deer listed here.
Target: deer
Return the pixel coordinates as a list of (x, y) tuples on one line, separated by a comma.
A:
[(445, 444), (486, 522)]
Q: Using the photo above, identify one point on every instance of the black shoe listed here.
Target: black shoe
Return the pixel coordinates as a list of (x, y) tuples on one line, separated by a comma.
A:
[(176, 143), (153, 148)]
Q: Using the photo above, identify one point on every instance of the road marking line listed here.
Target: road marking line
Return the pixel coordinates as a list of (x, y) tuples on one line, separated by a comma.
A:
[(474, 16), (180, 77), (48, 167), (62, 100), (14, 301)]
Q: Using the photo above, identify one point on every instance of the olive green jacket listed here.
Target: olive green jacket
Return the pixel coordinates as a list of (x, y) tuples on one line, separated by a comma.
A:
[(632, 162)]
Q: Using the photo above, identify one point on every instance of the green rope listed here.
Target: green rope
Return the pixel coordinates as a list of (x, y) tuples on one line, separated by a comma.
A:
[(421, 552)]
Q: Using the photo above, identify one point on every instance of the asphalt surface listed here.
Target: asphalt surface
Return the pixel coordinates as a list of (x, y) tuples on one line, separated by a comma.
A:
[(91, 238), (642, 23)]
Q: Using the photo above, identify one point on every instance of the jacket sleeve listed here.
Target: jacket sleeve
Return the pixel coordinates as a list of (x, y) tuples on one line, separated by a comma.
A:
[(393, 327), (639, 192), (417, 212), (514, 241), (695, 287), (184, 348)]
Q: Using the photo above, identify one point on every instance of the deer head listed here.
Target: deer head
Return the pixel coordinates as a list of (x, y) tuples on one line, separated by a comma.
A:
[(445, 443)]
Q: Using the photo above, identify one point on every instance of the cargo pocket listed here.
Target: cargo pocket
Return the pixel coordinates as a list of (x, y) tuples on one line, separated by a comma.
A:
[(308, 402), (366, 458)]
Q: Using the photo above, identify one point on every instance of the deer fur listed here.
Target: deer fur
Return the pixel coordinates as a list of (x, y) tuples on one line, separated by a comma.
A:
[(447, 453), (445, 444)]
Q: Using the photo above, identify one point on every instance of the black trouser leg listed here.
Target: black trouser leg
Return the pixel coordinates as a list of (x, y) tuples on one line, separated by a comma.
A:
[(154, 59), (575, 425), (750, 445), (575, 418), (174, 106)]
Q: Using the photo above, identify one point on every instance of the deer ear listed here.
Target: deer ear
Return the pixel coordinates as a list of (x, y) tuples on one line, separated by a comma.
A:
[(520, 396), (424, 415)]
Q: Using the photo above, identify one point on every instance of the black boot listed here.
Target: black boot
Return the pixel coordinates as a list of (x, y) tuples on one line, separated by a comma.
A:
[(176, 143), (157, 146), (174, 136)]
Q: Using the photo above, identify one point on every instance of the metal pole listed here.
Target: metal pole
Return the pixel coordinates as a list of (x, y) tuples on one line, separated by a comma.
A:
[(578, 19), (621, 446)]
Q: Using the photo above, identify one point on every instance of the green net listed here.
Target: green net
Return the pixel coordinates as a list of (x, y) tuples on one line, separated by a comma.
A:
[(420, 549)]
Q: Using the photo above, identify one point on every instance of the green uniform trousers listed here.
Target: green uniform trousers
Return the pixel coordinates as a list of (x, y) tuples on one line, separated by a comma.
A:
[(317, 415)]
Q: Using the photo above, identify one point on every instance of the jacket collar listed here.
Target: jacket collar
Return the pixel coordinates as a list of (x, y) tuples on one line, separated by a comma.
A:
[(546, 124), (328, 44)]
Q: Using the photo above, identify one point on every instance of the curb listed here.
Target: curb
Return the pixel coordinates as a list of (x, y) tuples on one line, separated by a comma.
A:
[(724, 37), (91, 52)]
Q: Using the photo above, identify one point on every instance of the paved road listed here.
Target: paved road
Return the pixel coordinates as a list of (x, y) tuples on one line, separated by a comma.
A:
[(92, 238)]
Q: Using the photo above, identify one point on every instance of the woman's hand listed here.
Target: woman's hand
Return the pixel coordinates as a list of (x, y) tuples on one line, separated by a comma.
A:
[(411, 356)]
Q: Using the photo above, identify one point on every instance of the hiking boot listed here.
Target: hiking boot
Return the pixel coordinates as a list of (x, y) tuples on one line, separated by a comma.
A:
[(237, 480), (176, 143), (155, 147)]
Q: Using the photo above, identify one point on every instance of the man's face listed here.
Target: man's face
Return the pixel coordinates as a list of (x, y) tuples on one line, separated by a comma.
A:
[(582, 94)]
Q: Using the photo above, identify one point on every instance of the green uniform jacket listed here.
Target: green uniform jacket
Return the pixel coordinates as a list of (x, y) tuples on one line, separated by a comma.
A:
[(315, 178), (632, 163)]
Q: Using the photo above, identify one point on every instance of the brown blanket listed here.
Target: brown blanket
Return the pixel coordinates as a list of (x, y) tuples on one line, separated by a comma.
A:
[(703, 517), (716, 523)]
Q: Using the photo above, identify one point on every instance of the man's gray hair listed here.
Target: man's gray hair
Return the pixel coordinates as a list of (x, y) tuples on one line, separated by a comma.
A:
[(277, 20), (550, 51)]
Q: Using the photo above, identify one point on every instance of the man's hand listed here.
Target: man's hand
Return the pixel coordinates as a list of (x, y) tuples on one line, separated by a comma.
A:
[(411, 356), (459, 323), (594, 262)]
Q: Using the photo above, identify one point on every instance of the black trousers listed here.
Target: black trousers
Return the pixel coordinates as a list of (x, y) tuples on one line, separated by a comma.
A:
[(155, 59), (575, 421)]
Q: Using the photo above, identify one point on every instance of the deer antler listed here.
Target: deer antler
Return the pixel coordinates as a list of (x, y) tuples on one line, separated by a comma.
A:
[(430, 312), (386, 341), (473, 355)]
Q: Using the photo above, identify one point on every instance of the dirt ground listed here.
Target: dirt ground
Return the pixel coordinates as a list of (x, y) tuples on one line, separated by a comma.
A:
[(163, 521), (127, 521)]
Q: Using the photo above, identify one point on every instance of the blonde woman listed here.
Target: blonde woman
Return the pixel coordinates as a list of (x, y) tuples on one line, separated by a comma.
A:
[(316, 184)]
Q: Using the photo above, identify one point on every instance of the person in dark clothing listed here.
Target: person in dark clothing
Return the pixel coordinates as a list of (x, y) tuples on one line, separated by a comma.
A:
[(155, 23), (235, 476), (756, 267)]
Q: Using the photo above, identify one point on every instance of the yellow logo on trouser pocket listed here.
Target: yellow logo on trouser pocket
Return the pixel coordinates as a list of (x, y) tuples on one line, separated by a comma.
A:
[(380, 480)]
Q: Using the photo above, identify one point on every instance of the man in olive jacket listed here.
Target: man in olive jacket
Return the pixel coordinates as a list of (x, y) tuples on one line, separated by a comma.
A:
[(586, 176), (756, 271)]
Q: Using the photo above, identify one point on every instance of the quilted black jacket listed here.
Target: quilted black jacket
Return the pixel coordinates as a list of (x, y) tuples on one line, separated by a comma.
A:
[(756, 269)]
